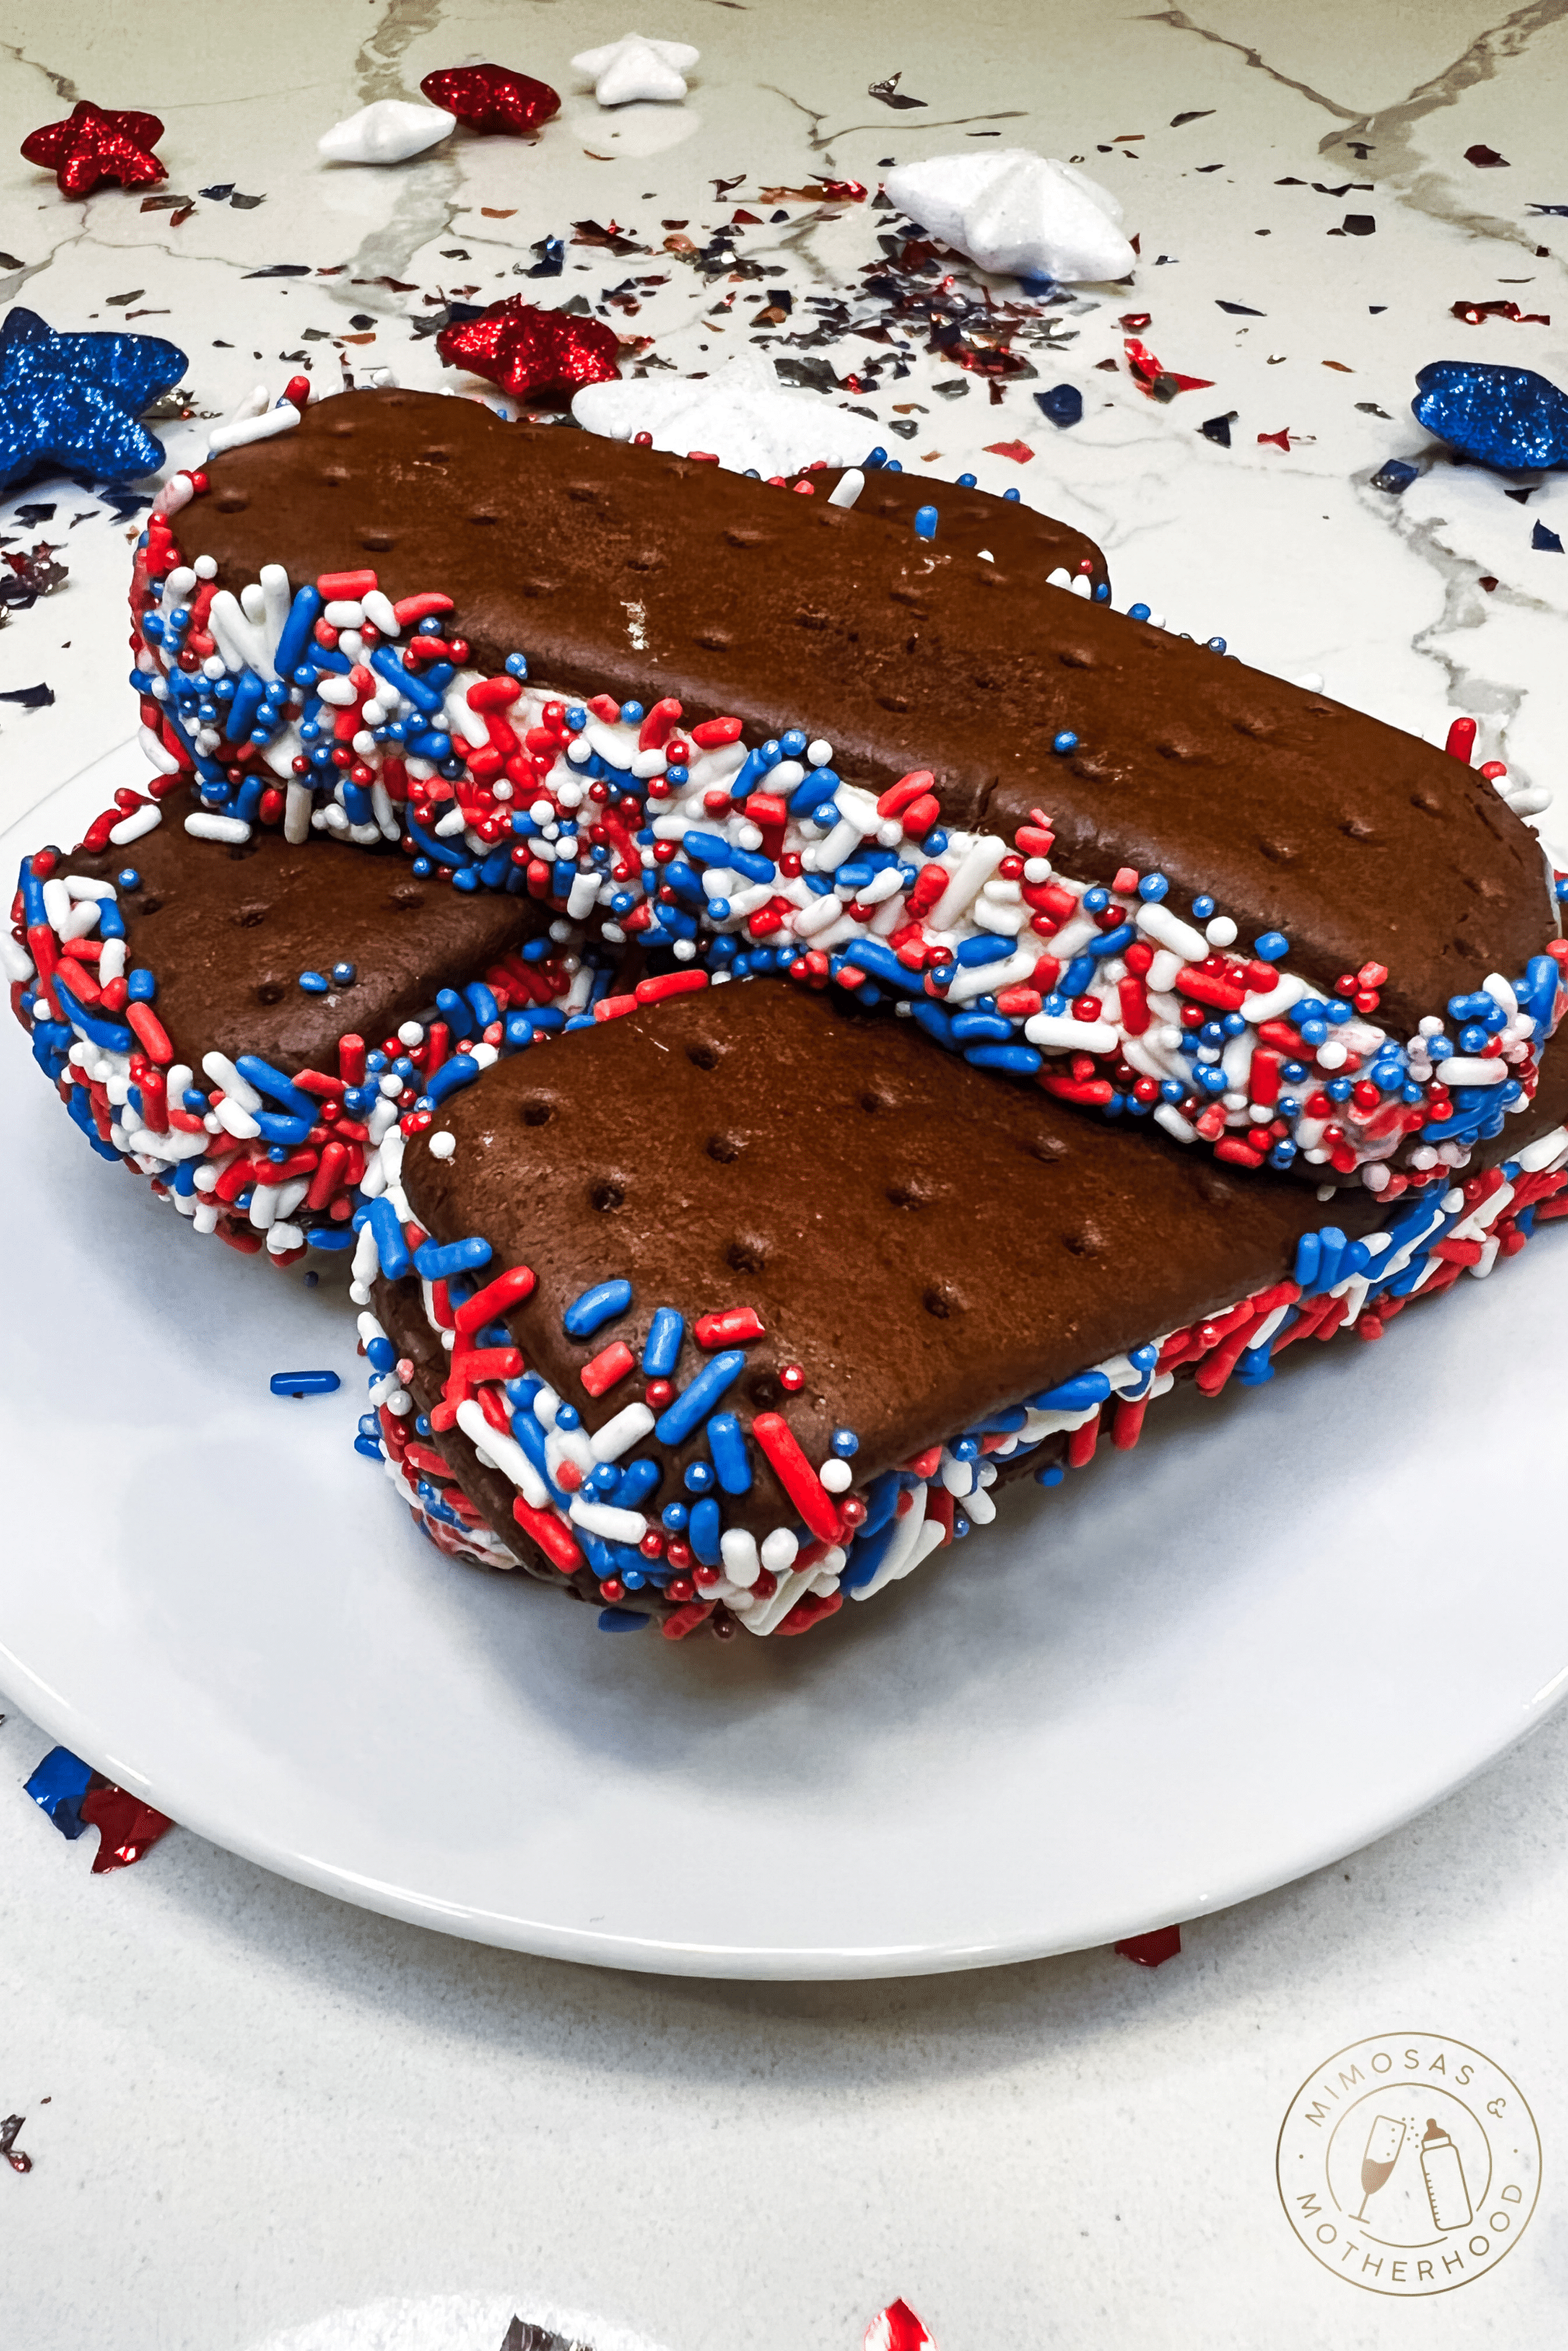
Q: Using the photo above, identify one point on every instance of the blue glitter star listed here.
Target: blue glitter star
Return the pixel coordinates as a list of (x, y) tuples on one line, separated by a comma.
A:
[(73, 400), (1507, 417)]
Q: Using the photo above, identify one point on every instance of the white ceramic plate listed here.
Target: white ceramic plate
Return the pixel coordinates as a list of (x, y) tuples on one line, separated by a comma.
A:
[(1291, 1620)]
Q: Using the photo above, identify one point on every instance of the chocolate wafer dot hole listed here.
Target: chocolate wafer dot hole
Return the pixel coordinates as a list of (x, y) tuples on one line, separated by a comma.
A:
[(702, 1055), (268, 991), (232, 502), (725, 1148), (941, 1299), (607, 1196), (376, 542), (538, 1110), (746, 1254)]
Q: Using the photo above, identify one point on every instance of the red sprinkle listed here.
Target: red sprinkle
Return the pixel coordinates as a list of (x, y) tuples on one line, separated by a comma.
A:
[(737, 1327), (611, 1364)]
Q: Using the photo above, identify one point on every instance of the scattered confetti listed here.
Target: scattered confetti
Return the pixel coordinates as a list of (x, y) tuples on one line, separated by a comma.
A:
[(127, 1827), (1339, 367), (1560, 211), (13, 2154), (492, 99), (1151, 1950), (96, 143), (1063, 404), (1544, 541), (31, 697), (57, 1787), (1370, 408), (1156, 380), (1194, 114), (1217, 428), (34, 573), (1281, 440), (637, 68), (1241, 310), (1394, 476), (896, 2328), (1356, 225), (1018, 450), (1511, 418), (1486, 159), (535, 355), (890, 94), (73, 400), (1475, 314)]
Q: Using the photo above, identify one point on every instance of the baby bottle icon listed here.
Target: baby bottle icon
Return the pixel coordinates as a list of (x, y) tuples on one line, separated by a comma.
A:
[(1445, 2177)]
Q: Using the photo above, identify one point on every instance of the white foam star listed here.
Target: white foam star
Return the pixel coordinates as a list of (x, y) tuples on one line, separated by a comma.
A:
[(637, 67), (1017, 213), (387, 132), (742, 416)]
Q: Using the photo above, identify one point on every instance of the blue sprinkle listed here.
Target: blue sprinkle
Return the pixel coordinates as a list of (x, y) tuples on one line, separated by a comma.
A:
[(391, 1250), (304, 1384), (344, 973), (1051, 1476), (1064, 742), (703, 1529), (460, 1070), (1139, 612), (595, 1306), (1271, 947), (698, 1397), (662, 1349), (438, 1261), (699, 1477), (621, 1620), (731, 1457), (1017, 1060), (1079, 1394), (1394, 476), (313, 983), (1153, 888), (925, 518)]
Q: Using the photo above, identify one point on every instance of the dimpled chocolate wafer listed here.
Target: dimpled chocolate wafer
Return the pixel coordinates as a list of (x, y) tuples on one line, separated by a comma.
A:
[(880, 1272), (624, 572), (227, 1011)]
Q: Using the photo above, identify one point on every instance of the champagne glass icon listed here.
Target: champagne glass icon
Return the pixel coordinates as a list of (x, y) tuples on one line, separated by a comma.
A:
[(1384, 2141)]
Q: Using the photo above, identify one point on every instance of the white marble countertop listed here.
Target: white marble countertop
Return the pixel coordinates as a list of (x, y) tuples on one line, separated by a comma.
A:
[(264, 2108)]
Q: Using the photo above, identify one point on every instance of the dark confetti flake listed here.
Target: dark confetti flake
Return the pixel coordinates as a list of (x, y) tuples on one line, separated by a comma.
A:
[(904, 426), (1290, 183), (953, 387), (1343, 189), (1370, 408), (1522, 497), (1544, 541), (244, 203), (1063, 404), (1217, 428), (890, 94), (1487, 581), (1474, 314), (523, 2335), (361, 318), (1210, 167), (1360, 225), (31, 697), (9, 2128), (127, 1828), (287, 269), (551, 251), (1394, 476), (1241, 310), (1560, 210), (10, 261), (119, 301), (163, 204), (1193, 114), (220, 192), (1151, 1950), (806, 374), (1511, 418), (1486, 159), (32, 516), (57, 1787)]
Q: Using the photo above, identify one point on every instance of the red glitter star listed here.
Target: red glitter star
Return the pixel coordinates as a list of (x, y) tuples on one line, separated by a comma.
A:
[(126, 1827), (534, 354), (96, 143), (493, 98)]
